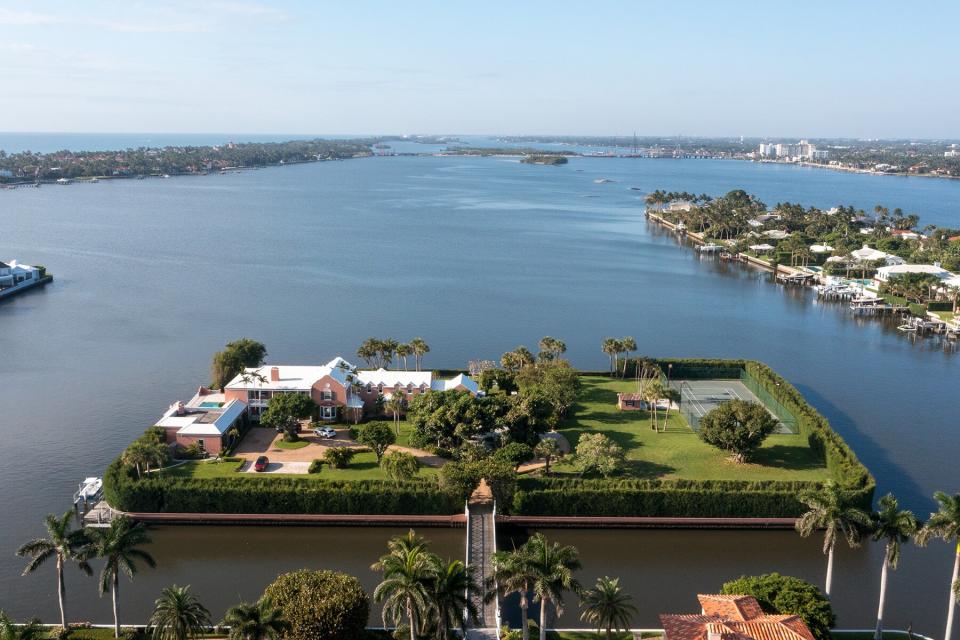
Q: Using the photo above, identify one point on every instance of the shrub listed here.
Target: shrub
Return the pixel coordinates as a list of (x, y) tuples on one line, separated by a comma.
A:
[(339, 457), (459, 479), (737, 427), (316, 466), (400, 465), (787, 595), (320, 604), (516, 453)]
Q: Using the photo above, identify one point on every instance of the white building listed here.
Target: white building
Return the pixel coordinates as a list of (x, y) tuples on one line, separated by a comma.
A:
[(13, 274), (868, 254), (802, 150), (884, 274)]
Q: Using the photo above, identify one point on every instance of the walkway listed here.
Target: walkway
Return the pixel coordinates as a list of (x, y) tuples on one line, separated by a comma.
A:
[(482, 543)]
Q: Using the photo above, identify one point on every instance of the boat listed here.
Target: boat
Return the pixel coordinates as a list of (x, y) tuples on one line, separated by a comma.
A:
[(89, 490), (709, 248), (907, 327), (635, 189), (63, 181), (602, 180)]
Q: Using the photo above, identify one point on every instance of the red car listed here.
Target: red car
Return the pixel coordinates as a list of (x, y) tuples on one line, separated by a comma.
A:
[(261, 464)]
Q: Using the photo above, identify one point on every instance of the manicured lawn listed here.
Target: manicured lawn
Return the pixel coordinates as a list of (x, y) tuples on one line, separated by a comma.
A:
[(283, 444), (363, 466), (679, 453)]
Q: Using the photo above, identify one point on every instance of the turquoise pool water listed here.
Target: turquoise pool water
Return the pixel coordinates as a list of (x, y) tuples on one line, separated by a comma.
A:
[(209, 405)]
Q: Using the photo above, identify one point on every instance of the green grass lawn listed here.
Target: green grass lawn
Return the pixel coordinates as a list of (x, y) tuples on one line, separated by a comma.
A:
[(679, 453), (283, 444), (363, 466)]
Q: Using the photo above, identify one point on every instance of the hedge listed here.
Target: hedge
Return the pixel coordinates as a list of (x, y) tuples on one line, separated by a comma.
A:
[(273, 495), (706, 498)]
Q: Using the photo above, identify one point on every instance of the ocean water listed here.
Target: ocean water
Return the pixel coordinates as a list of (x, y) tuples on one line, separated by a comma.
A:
[(477, 255)]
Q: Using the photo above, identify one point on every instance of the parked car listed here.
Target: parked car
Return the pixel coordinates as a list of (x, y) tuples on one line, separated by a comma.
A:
[(261, 464), (325, 432)]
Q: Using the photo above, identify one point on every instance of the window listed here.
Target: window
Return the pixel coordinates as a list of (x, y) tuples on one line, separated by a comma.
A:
[(200, 444), (328, 413), (326, 395)]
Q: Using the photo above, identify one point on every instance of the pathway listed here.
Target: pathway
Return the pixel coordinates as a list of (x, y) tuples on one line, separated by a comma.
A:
[(482, 531)]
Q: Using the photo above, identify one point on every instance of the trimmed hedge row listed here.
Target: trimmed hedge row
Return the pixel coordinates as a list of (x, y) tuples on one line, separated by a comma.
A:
[(707, 498), (273, 495)]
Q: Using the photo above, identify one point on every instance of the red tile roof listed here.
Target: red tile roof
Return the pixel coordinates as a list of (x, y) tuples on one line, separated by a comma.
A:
[(733, 618)]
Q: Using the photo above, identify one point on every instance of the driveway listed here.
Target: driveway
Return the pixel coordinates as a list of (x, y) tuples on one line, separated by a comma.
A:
[(278, 467), (262, 441)]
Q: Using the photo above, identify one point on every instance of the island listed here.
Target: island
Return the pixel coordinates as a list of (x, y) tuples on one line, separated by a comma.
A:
[(544, 158)]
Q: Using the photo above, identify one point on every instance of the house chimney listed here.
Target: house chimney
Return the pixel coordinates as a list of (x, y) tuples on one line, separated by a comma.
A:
[(274, 374), (180, 410)]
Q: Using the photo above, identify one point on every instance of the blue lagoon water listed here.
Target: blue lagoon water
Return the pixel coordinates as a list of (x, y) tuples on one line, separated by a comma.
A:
[(477, 255)]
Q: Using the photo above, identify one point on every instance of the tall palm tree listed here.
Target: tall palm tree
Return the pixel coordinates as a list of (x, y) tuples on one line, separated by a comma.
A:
[(420, 348), (32, 630), (606, 606), (404, 351), (119, 546), (395, 406), (513, 573), (627, 345), (945, 524), (178, 615), (830, 510), (255, 621), (553, 566), (408, 569), (64, 544), (448, 596), (894, 526), (609, 347), (652, 394)]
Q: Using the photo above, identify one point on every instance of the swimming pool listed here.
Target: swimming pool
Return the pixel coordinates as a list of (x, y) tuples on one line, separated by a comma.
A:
[(209, 405)]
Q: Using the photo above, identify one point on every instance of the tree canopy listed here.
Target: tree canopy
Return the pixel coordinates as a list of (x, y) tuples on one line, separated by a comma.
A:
[(787, 595), (737, 427), (234, 358)]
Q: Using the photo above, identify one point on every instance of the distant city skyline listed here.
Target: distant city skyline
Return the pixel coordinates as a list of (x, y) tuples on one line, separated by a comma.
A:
[(804, 70)]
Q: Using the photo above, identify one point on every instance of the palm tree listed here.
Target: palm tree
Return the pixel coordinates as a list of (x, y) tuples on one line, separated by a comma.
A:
[(64, 544), (553, 567), (547, 449), (32, 630), (419, 348), (895, 526), (513, 573), (606, 606), (652, 393), (627, 345), (119, 546), (448, 596), (404, 350), (611, 348), (257, 621), (137, 456), (830, 510), (178, 615), (408, 569), (395, 406), (945, 524)]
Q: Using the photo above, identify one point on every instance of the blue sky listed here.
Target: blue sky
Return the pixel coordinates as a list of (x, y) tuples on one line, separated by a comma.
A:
[(817, 69)]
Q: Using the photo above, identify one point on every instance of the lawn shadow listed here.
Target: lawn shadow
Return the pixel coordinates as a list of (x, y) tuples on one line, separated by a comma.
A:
[(794, 458)]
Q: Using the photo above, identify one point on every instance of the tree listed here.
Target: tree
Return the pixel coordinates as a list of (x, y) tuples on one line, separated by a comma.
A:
[(551, 348), (320, 604), (399, 466), (513, 572), (404, 351), (548, 449), (234, 358), (396, 405), (596, 453), (32, 630), (63, 544), (499, 379), (737, 427), (607, 607), (419, 348), (627, 345), (448, 589), (378, 436), (517, 359), (611, 347), (119, 546), (408, 569), (831, 511), (945, 524), (142, 455), (260, 620), (285, 411), (553, 566), (653, 392), (178, 615), (339, 457), (516, 453), (894, 526), (787, 595)]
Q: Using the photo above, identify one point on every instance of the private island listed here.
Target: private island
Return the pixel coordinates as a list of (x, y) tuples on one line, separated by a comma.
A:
[(728, 442)]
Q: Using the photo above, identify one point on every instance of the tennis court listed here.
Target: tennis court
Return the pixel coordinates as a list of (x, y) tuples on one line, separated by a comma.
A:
[(698, 397)]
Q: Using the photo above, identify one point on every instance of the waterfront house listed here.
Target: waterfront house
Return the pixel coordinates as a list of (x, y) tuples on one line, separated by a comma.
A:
[(336, 386), (14, 274), (733, 617), (868, 254), (204, 421), (821, 248), (884, 274)]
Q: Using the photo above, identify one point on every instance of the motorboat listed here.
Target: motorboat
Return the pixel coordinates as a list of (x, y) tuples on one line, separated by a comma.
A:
[(89, 490)]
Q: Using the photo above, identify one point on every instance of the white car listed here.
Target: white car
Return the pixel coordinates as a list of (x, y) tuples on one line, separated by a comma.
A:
[(325, 432)]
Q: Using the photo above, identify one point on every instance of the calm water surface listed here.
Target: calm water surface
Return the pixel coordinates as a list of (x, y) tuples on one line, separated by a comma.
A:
[(477, 255)]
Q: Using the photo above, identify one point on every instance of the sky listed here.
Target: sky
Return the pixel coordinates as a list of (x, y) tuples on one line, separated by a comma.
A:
[(765, 68)]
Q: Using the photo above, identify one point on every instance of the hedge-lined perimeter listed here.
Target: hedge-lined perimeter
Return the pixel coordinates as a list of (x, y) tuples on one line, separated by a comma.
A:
[(705, 498)]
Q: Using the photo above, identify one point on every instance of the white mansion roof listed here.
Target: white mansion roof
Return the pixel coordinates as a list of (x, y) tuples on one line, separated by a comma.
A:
[(867, 254), (393, 378), (453, 383), (196, 421), (883, 273)]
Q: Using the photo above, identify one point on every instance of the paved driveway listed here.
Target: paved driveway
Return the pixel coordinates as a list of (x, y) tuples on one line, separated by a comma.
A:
[(278, 467), (262, 441)]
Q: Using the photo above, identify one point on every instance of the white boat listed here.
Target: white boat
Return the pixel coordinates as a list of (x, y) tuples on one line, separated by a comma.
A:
[(89, 490), (709, 248), (602, 180)]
